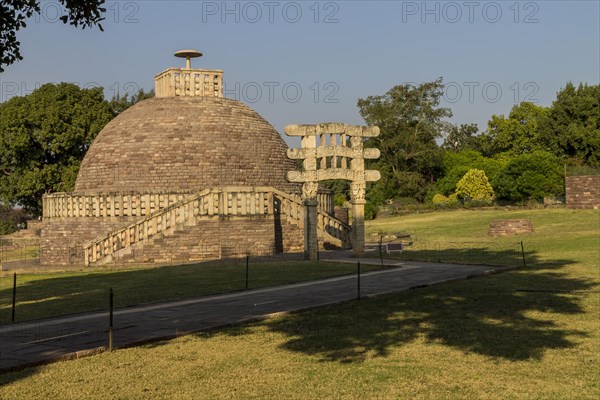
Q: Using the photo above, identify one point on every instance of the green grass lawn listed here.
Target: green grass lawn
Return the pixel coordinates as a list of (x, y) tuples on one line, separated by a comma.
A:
[(532, 333), (50, 295)]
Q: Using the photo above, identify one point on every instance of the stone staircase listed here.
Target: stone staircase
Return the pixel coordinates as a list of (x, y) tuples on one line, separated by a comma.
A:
[(185, 223)]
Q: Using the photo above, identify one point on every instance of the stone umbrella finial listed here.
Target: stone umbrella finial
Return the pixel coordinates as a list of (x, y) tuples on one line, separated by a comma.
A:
[(188, 55)]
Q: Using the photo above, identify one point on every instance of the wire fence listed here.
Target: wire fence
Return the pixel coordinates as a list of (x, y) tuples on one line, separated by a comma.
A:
[(19, 252), (476, 253), (80, 292), (109, 322)]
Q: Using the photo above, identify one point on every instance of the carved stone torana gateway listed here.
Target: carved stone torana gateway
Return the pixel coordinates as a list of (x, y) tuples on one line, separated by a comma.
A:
[(333, 151)]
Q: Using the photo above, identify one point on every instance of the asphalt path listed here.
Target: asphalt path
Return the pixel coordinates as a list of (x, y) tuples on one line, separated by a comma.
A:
[(73, 336)]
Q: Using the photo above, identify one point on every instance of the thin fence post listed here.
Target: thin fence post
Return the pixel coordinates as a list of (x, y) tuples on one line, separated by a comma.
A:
[(14, 296), (523, 254), (247, 265), (110, 321), (469, 253), (381, 250), (358, 280)]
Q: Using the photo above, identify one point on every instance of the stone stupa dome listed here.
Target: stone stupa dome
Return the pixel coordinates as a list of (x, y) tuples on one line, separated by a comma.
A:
[(185, 139), (180, 144)]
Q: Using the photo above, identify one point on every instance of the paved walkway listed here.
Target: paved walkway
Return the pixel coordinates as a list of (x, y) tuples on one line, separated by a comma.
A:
[(42, 341)]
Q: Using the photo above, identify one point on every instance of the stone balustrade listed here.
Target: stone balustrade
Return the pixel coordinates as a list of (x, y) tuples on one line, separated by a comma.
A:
[(226, 201), (189, 82), (73, 205), (335, 228), (326, 201)]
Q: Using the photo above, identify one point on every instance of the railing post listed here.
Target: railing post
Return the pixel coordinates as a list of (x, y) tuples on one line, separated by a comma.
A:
[(358, 280), (523, 254), (381, 249), (86, 256), (247, 267), (110, 320), (14, 297)]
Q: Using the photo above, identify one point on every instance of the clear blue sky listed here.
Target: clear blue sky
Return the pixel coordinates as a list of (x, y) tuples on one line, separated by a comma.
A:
[(490, 54)]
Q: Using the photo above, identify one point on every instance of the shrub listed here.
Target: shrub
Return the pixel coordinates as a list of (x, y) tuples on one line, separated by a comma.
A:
[(439, 198), (370, 211), (474, 187), (457, 164), (530, 176), (445, 201), (339, 199), (447, 184), (7, 227)]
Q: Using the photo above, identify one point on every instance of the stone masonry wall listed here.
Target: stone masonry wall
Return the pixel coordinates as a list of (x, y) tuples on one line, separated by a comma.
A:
[(207, 238), (62, 238), (510, 227), (583, 192), (218, 238)]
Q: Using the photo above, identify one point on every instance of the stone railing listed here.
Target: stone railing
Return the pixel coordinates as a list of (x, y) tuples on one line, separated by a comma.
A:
[(71, 205), (226, 201), (189, 82), (291, 206), (336, 228), (326, 200)]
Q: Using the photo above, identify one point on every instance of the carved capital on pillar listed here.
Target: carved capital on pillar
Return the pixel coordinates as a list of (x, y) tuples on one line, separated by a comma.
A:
[(310, 190), (357, 192)]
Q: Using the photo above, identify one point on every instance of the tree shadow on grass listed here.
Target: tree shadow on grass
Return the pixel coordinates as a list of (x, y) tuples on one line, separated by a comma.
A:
[(510, 316), (63, 294), (500, 316)]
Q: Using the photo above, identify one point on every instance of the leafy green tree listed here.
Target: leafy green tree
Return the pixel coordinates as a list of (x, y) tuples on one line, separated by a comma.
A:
[(474, 187), (7, 223), (463, 137), (572, 127), (43, 138), (10, 219), (121, 103), (14, 15), (530, 176), (341, 190), (517, 134), (410, 119)]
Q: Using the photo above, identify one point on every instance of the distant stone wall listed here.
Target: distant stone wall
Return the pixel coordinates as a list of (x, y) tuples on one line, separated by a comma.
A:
[(342, 213), (583, 192), (510, 227), (62, 239)]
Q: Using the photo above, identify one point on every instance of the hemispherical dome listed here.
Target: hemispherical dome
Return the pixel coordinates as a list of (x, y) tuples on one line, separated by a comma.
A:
[(182, 144)]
